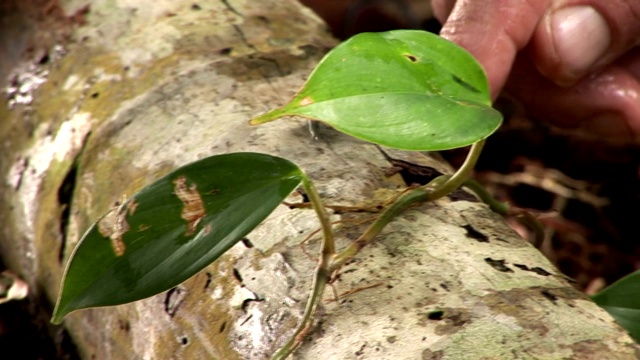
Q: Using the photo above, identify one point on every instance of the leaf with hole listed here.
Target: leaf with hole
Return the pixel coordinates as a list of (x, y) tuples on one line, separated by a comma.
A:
[(406, 89), (622, 300), (173, 228)]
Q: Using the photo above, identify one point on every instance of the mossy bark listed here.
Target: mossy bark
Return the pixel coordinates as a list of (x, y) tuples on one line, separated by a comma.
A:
[(146, 86)]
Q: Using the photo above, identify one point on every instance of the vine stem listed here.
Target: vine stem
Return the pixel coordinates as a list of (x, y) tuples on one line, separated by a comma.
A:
[(499, 207), (321, 276), (330, 261), (437, 188)]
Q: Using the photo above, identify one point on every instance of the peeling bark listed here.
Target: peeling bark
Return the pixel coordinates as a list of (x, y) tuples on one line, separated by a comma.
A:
[(147, 86)]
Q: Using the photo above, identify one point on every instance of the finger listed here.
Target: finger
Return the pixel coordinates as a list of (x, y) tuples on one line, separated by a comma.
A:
[(442, 9), (493, 31), (606, 103), (575, 37)]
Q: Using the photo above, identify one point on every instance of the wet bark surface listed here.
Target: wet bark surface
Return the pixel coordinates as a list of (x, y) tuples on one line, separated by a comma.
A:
[(133, 90)]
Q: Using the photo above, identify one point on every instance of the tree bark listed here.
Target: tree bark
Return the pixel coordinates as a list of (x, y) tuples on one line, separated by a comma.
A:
[(147, 86)]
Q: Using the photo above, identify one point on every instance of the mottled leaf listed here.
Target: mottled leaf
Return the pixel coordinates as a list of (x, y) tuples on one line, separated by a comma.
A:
[(173, 228)]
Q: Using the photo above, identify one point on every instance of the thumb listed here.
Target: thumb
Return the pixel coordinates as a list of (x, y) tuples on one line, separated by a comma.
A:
[(493, 31), (578, 37)]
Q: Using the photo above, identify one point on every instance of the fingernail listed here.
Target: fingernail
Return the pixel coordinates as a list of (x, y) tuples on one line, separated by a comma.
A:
[(580, 36)]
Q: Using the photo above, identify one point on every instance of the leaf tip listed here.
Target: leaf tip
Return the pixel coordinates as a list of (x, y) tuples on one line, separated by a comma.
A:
[(58, 316)]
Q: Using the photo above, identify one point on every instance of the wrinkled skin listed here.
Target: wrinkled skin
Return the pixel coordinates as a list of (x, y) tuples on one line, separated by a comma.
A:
[(574, 62)]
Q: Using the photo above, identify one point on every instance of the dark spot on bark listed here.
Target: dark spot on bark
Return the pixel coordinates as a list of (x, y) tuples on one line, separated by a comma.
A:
[(444, 286), (208, 282), (412, 173), (184, 340), (538, 270), (521, 267), (498, 265), (246, 242), (236, 274), (222, 327), (305, 197), (361, 351), (245, 320), (124, 325), (95, 95), (196, 7), (432, 355), (436, 315), (549, 295), (464, 84), (44, 59), (392, 339), (225, 51), (246, 302), (173, 300), (475, 234), (65, 198)]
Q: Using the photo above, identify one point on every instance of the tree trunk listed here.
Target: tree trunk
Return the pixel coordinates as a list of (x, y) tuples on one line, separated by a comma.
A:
[(146, 86)]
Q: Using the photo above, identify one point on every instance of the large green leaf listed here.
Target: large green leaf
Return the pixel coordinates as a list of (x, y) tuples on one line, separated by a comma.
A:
[(173, 228), (406, 89), (622, 301)]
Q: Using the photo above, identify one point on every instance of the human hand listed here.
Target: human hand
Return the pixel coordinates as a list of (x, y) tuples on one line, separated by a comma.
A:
[(575, 62)]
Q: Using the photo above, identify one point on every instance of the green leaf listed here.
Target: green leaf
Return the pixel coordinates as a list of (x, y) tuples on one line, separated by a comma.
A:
[(622, 300), (406, 89), (173, 228)]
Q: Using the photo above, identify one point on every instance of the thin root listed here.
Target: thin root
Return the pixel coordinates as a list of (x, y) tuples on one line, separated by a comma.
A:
[(336, 208), (353, 291), (316, 231)]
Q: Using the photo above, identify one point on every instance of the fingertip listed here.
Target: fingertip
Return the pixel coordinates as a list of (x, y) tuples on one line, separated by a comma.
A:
[(493, 32), (569, 42)]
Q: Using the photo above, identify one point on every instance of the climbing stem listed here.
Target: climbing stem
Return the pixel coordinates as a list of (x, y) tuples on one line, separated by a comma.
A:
[(328, 239), (321, 276), (437, 188), (445, 185), (414, 196), (499, 207), (330, 262)]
